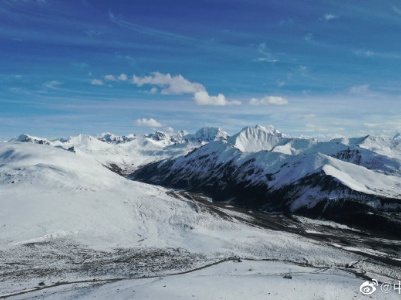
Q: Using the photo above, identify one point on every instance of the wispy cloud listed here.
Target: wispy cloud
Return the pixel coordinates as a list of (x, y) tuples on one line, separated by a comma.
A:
[(265, 59), (396, 10), (308, 37), (178, 85), (147, 30), (363, 89), (52, 85), (364, 53), (97, 82), (148, 122), (92, 33), (266, 56), (269, 100), (308, 116), (329, 17), (393, 125)]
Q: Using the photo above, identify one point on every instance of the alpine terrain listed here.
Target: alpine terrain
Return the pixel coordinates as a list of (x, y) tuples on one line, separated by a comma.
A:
[(206, 216)]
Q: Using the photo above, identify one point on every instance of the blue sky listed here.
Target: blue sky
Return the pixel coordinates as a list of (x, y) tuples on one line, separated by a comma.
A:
[(315, 67)]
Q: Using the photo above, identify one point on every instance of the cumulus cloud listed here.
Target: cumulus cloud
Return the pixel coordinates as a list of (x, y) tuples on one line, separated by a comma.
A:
[(269, 100), (203, 98), (122, 77), (97, 82), (148, 122), (178, 85), (110, 78), (172, 85)]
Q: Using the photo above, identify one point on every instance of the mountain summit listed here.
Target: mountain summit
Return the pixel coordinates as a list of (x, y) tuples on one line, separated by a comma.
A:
[(257, 138)]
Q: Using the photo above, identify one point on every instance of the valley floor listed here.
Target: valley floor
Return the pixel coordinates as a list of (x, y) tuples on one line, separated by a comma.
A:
[(63, 269), (226, 280)]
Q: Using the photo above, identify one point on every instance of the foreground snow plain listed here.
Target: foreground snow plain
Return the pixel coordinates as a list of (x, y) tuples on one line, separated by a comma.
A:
[(64, 218)]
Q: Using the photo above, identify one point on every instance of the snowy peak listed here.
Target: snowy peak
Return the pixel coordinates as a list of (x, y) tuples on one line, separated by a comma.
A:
[(257, 138), (84, 142), (115, 139), (397, 136), (207, 134), (159, 136), (30, 139)]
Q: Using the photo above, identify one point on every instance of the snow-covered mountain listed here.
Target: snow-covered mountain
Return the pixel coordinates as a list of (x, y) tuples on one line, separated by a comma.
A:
[(115, 139), (261, 168), (68, 223), (31, 139), (258, 138), (207, 134)]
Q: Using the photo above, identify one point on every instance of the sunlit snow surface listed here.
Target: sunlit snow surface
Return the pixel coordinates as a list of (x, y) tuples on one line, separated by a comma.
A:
[(64, 217)]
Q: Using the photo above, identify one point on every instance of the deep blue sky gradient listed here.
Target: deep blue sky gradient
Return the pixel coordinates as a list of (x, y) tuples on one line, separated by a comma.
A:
[(336, 63)]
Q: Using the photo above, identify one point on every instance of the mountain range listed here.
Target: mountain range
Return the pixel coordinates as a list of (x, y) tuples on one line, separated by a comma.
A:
[(350, 180), (74, 213)]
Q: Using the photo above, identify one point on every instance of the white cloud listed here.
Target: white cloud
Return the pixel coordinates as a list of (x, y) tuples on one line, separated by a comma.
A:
[(122, 77), (203, 98), (97, 82), (110, 78), (148, 122), (153, 90), (51, 84), (178, 85), (269, 100), (329, 17), (173, 85)]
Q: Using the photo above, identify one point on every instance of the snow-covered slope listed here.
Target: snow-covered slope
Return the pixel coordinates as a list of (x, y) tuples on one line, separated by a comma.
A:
[(47, 193), (50, 193), (261, 168)]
